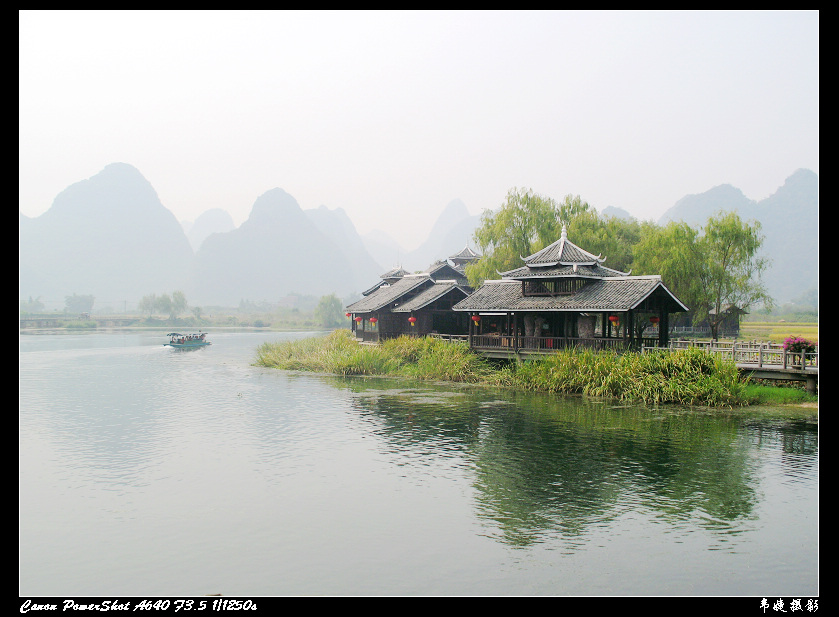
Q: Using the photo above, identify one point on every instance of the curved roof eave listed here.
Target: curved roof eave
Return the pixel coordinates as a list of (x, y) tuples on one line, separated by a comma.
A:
[(653, 290)]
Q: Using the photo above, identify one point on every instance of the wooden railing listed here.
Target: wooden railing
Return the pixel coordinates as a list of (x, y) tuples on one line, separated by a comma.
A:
[(451, 338), (747, 352), (547, 343), (758, 354)]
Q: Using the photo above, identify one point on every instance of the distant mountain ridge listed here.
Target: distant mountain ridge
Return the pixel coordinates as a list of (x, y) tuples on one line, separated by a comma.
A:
[(109, 236), (280, 250), (789, 221), (451, 232), (213, 221)]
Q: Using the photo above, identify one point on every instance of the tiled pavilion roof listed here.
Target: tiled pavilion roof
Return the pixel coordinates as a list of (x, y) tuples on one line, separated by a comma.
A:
[(388, 294), (563, 259), (613, 294), (431, 294), (605, 289)]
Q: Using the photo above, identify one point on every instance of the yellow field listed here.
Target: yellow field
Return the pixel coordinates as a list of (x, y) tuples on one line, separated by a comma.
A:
[(776, 332)]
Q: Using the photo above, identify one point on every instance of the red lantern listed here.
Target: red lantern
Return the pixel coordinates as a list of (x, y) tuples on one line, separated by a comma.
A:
[(476, 318), (373, 320), (348, 314), (614, 319), (412, 320), (654, 320), (358, 319)]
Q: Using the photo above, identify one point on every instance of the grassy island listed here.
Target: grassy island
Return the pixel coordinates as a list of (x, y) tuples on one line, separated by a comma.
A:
[(689, 376)]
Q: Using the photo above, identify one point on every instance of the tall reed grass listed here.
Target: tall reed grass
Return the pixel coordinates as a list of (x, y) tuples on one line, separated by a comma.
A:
[(690, 376)]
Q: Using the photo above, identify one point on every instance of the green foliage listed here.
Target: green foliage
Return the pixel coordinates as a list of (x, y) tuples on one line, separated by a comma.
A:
[(731, 268), (612, 238), (147, 305), (179, 304), (525, 224), (172, 306), (32, 306), (690, 376), (671, 252), (329, 312), (163, 304), (339, 353), (78, 304), (761, 394), (798, 344), (708, 269)]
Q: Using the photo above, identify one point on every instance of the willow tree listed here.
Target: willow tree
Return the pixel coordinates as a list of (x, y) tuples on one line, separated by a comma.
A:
[(525, 223), (179, 304), (329, 311), (710, 269), (612, 238)]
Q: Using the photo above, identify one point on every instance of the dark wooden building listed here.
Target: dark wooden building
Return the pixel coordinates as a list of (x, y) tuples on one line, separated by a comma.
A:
[(729, 326), (563, 296), (414, 304)]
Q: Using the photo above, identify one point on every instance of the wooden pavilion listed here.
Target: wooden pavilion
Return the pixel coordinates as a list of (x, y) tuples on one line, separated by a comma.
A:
[(563, 296), (414, 304)]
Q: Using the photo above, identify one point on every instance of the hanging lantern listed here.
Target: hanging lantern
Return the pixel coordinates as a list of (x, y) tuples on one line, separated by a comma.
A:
[(614, 319), (476, 318), (654, 320), (358, 320), (349, 314), (373, 320), (412, 320)]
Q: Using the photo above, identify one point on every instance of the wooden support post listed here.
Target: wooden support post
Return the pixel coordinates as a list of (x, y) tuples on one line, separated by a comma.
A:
[(516, 332)]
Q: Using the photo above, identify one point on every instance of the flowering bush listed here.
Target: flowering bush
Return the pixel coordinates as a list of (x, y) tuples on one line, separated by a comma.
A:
[(796, 344)]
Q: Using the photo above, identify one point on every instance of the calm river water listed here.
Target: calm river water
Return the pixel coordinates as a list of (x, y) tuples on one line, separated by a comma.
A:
[(148, 471)]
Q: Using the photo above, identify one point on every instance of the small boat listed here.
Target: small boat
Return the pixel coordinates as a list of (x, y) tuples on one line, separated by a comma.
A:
[(187, 341)]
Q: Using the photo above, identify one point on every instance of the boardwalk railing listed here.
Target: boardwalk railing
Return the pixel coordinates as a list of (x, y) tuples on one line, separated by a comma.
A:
[(451, 338), (378, 337), (761, 355), (758, 354), (548, 343)]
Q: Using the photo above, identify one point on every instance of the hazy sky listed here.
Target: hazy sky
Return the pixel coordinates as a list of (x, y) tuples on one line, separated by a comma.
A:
[(391, 115)]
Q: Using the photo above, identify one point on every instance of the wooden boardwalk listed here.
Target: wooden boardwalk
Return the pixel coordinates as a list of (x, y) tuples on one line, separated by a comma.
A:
[(757, 360), (763, 360)]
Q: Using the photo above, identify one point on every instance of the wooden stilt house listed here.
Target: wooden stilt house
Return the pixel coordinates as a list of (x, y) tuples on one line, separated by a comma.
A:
[(414, 304), (563, 296)]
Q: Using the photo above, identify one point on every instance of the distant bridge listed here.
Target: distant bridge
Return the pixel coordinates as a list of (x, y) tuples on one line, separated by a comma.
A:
[(60, 321)]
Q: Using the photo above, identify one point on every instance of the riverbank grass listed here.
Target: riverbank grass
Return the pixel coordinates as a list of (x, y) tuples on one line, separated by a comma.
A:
[(689, 376), (760, 394)]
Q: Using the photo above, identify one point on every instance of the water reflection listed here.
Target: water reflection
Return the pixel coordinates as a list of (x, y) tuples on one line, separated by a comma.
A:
[(555, 467), (149, 472)]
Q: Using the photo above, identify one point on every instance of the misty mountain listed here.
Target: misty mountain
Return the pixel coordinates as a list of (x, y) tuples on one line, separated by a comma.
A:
[(108, 236), (276, 252), (616, 213), (789, 221), (341, 232), (697, 209), (383, 249), (452, 231), (214, 221)]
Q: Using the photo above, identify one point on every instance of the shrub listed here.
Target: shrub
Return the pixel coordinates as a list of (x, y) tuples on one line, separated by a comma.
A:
[(796, 344), (689, 376)]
